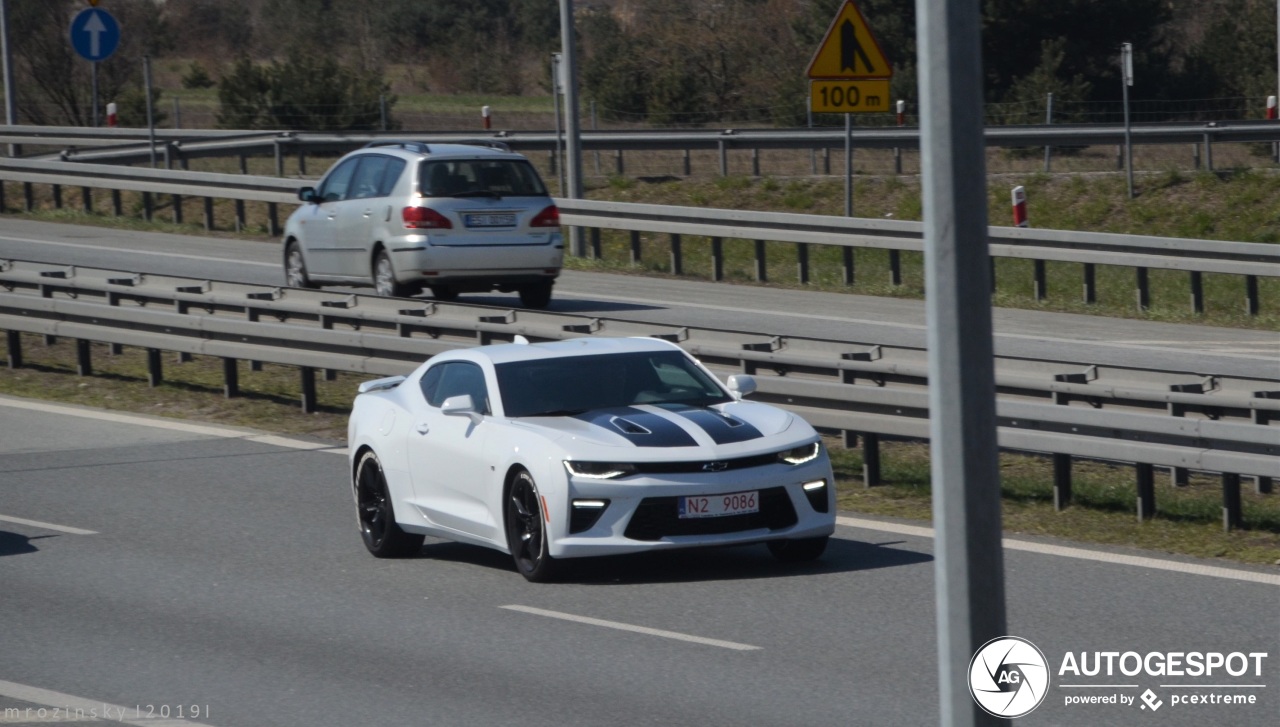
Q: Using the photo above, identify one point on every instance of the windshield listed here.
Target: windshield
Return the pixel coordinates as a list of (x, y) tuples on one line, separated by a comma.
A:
[(568, 386), (480, 178)]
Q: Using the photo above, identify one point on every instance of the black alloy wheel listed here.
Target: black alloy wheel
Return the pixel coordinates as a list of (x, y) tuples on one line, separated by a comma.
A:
[(382, 536), (527, 532)]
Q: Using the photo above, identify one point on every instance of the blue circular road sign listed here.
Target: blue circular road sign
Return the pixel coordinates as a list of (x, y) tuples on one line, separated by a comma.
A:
[(95, 34)]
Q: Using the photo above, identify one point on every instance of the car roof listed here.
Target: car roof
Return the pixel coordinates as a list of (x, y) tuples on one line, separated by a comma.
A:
[(413, 150), (508, 352)]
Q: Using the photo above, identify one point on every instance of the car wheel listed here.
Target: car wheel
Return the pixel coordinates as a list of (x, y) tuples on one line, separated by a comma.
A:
[(384, 278), (527, 532), (295, 268), (444, 292), (378, 528), (798, 550), (537, 295)]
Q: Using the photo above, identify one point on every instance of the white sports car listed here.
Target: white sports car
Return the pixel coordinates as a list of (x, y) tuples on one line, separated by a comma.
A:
[(586, 447)]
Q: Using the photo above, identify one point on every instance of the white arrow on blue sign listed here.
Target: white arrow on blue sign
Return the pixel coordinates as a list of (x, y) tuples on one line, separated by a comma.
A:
[(95, 34)]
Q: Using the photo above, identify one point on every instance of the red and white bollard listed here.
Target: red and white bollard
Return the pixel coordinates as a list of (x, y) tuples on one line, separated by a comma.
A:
[(484, 115), (1020, 207), (1271, 108), (112, 120), (902, 113)]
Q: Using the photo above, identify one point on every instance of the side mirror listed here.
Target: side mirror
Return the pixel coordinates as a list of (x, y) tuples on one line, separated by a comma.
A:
[(461, 406), (308, 194), (741, 385)]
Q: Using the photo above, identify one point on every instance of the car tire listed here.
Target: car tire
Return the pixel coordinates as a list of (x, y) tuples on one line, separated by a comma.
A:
[(384, 278), (375, 514), (537, 295), (444, 293), (295, 267), (527, 531), (798, 550)]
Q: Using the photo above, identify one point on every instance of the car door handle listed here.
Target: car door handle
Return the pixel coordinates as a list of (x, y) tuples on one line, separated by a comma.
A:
[(422, 428), (368, 213)]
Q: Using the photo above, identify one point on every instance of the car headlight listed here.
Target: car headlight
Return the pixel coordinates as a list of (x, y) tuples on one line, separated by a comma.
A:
[(598, 470), (800, 455)]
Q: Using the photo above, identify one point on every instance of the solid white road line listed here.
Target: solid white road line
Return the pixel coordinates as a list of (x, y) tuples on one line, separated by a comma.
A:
[(634, 629), (108, 248), (76, 707), (1061, 551), (47, 526), (172, 425)]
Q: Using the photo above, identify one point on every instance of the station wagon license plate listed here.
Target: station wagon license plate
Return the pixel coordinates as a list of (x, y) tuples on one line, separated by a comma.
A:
[(737, 503), (490, 219)]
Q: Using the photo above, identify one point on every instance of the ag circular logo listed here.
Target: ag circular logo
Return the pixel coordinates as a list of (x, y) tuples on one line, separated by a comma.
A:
[(1008, 677)]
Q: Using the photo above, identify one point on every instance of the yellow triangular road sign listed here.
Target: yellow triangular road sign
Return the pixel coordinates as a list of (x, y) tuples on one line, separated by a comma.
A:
[(849, 50)]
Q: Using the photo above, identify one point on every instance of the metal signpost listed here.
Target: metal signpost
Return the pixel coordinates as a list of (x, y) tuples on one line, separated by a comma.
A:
[(10, 93), (95, 35), (573, 141), (968, 561), (1126, 80), (849, 74)]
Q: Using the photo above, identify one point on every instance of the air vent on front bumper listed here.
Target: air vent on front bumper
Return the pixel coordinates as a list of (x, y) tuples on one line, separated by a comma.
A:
[(658, 517)]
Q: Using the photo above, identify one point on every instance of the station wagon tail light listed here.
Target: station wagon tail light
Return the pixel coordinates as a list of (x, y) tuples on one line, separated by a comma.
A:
[(424, 218), (550, 217), (598, 470), (801, 454)]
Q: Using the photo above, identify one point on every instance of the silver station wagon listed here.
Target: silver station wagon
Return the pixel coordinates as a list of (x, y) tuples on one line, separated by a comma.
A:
[(404, 216)]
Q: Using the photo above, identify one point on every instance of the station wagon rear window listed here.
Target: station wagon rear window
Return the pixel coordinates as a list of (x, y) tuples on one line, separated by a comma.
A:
[(480, 178)]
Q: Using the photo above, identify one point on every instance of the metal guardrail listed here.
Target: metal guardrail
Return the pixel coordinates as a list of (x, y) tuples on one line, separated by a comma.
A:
[(833, 386), (1196, 257)]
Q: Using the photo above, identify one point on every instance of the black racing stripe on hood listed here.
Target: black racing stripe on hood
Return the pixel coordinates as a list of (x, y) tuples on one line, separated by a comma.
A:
[(722, 428), (641, 428)]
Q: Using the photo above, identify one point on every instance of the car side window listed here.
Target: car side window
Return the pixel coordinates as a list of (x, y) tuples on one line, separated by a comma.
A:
[(336, 184), (390, 176), (456, 378), (368, 176)]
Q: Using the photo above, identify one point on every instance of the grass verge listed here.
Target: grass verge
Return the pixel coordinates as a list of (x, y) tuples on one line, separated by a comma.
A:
[(1187, 522)]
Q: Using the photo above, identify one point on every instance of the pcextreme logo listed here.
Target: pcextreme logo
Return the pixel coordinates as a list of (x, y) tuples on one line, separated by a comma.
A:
[(1009, 677)]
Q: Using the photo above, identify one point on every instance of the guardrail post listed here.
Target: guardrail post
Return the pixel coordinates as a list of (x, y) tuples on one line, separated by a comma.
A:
[(240, 220), (1197, 292), (1090, 283), (1232, 515), (717, 258), (302, 161), (230, 378), (155, 369), (762, 263), (84, 358), (724, 159), (86, 200), (244, 164), (1144, 289), (802, 262), (177, 209), (28, 197), (619, 164), (208, 213), (1262, 485), (1146, 491), (330, 375), (3, 205), (635, 247), (1061, 481), (148, 206), (895, 267), (846, 259), (273, 219), (57, 196), (1208, 152), (688, 163), (870, 459), (594, 234), (1179, 476), (1251, 295), (849, 439), (551, 163), (826, 161), (117, 203), (308, 390), (15, 349), (115, 349), (1195, 156), (255, 365), (755, 162), (1041, 285), (279, 157), (677, 263)]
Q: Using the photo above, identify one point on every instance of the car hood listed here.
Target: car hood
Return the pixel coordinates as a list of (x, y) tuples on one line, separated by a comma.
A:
[(737, 426)]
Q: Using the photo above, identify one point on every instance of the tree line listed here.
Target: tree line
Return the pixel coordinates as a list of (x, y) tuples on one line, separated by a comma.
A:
[(326, 64)]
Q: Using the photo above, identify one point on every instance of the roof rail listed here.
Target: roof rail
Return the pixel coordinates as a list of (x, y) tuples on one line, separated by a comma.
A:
[(492, 144), (418, 146)]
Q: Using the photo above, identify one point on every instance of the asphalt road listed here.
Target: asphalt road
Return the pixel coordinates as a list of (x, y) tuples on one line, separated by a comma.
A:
[(771, 311), (221, 569)]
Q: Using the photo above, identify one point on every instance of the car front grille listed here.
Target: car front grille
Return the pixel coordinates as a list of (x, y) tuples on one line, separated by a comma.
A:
[(658, 517), (665, 468)]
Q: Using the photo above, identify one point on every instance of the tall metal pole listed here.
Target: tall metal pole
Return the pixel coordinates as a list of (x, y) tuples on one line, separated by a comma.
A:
[(93, 73), (573, 142), (555, 102), (10, 91), (848, 165), (1126, 80), (1048, 119), (968, 562), (151, 118)]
